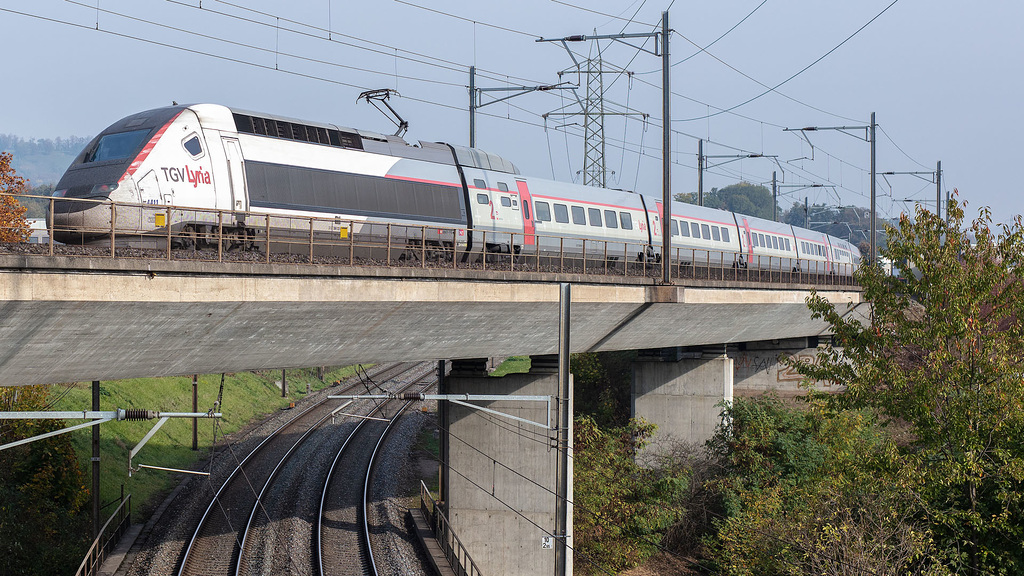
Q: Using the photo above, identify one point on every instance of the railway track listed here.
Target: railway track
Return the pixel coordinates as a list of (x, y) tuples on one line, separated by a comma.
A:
[(237, 532), (345, 546)]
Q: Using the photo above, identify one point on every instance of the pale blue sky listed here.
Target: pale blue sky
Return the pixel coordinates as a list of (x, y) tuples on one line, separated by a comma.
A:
[(942, 76)]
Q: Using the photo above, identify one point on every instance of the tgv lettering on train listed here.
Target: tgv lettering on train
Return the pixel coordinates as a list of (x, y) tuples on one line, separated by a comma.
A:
[(186, 174)]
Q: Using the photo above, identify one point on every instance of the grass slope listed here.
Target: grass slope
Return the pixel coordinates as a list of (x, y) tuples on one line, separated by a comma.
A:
[(248, 397)]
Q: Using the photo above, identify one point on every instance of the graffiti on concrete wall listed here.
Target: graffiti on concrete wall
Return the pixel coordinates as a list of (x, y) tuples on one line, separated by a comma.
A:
[(765, 369)]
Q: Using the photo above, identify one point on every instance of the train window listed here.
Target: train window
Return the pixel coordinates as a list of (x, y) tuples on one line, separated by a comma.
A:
[(753, 238), (625, 220), (482, 199), (579, 215), (715, 234), (610, 220), (775, 242), (761, 237), (502, 186), (480, 184), (675, 228), (543, 210), (595, 216), (561, 213), (725, 234), (526, 210), (684, 228), (117, 146), (193, 146), (695, 228), (705, 231), (787, 244), (506, 201)]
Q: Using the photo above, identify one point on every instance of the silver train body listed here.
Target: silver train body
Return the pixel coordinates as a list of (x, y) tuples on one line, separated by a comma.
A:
[(234, 168)]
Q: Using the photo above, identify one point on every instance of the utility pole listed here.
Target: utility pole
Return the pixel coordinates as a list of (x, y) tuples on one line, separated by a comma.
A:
[(666, 155), (96, 462), (474, 103), (195, 408), (562, 437), (700, 172), (938, 189), (869, 135), (595, 171), (775, 198), (872, 249), (472, 106)]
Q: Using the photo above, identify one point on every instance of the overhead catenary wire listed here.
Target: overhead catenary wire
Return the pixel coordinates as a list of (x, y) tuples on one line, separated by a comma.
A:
[(796, 74)]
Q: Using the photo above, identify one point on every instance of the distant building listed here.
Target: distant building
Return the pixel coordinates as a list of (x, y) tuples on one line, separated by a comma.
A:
[(39, 235)]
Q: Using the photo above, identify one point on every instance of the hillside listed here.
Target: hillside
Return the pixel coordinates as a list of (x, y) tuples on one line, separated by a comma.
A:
[(42, 161)]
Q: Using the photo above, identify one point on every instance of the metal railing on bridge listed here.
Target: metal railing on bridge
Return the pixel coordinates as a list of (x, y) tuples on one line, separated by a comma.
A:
[(109, 535), (454, 551), (93, 228)]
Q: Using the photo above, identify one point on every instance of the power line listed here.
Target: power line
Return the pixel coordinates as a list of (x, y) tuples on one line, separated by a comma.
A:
[(801, 71), (605, 14), (384, 49), (254, 47), (909, 157), (464, 19), (758, 82)]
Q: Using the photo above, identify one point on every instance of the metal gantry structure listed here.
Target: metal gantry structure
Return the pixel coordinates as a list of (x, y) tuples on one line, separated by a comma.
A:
[(935, 176), (475, 104), (660, 49), (869, 136), (594, 111)]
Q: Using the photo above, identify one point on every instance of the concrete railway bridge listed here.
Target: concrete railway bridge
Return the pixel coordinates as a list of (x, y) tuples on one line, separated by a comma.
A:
[(65, 318)]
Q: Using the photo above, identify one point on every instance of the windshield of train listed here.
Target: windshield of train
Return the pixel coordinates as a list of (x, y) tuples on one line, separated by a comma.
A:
[(117, 146)]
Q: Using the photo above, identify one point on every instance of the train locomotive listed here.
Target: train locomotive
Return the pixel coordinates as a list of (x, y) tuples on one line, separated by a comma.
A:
[(235, 169)]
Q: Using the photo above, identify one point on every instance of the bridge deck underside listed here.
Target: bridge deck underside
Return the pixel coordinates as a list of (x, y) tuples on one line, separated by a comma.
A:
[(60, 325)]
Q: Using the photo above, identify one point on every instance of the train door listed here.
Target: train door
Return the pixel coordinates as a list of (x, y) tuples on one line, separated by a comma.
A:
[(656, 232), (486, 207), (829, 267), (236, 174), (526, 201), (149, 195), (507, 211), (746, 246)]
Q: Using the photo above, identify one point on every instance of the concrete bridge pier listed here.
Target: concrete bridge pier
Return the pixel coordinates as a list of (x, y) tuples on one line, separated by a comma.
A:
[(500, 483), (682, 391)]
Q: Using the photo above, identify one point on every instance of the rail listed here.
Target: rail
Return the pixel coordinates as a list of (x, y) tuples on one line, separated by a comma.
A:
[(117, 230), (454, 551), (101, 547)]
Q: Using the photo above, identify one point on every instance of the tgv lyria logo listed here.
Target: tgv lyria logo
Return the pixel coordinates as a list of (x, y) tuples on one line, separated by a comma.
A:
[(186, 174)]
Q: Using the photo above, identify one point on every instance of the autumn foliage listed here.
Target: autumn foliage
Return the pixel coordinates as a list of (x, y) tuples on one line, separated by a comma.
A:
[(13, 226), (43, 524)]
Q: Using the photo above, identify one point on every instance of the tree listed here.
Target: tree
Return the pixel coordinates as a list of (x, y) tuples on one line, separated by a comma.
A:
[(601, 381), (943, 357), (621, 510), (802, 495), (743, 198), (13, 227), (42, 492)]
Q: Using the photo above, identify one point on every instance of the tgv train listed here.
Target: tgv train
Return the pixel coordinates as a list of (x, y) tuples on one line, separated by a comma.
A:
[(234, 164)]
